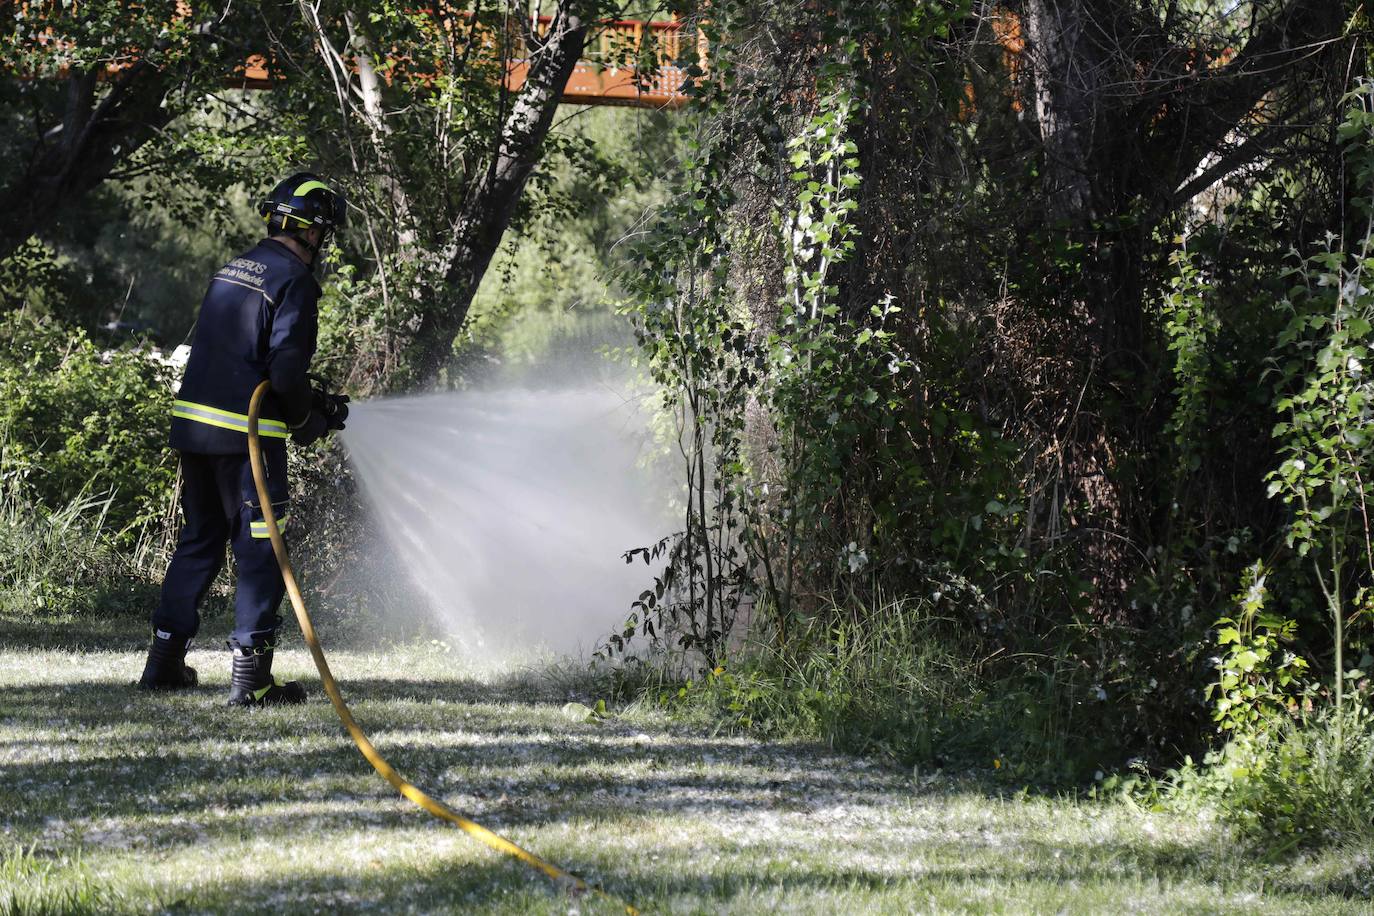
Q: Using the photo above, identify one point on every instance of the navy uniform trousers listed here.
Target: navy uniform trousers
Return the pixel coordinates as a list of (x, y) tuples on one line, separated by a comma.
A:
[(220, 505)]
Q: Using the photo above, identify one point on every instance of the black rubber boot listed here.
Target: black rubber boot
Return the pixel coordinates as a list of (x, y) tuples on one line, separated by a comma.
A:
[(252, 683), (166, 668)]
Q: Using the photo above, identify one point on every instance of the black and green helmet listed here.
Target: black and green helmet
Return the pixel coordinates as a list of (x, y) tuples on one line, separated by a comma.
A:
[(302, 201)]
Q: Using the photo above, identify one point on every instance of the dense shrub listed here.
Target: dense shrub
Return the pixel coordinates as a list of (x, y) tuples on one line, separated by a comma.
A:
[(856, 413), (1299, 782), (77, 421)]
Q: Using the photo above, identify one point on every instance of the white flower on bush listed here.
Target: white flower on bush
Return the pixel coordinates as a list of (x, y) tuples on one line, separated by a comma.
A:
[(855, 556)]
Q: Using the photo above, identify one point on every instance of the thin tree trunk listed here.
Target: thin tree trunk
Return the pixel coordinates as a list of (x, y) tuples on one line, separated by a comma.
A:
[(379, 132), (488, 210), (1067, 68), (1072, 68)]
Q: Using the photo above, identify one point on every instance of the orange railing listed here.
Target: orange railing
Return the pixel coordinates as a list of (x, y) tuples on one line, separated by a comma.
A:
[(626, 62), (612, 70)]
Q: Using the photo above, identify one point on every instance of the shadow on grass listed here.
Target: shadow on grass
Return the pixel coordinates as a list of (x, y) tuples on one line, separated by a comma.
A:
[(497, 884), (123, 625), (256, 777), (265, 772), (122, 629), (186, 751), (508, 886), (120, 632)]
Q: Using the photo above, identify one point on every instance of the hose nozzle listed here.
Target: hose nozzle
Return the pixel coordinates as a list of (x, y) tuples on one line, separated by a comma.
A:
[(334, 407)]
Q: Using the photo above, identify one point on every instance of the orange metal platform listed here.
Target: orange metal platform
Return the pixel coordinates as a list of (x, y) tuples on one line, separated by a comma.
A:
[(608, 74)]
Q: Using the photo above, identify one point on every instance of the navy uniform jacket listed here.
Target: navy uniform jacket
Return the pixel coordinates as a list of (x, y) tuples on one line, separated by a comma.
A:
[(258, 321)]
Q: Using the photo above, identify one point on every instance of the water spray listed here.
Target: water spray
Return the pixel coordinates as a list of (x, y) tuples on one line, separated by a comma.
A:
[(562, 878), (502, 512)]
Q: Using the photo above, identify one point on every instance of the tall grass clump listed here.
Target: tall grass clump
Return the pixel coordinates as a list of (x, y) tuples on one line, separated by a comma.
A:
[(883, 686), (63, 560), (33, 885), (1300, 782), (896, 680)]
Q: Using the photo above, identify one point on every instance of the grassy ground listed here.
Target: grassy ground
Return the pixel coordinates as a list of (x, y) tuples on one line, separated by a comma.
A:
[(116, 801)]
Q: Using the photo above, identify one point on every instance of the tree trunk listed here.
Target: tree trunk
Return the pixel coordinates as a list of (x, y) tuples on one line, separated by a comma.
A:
[(488, 210), (1071, 67), (1068, 69), (1124, 118), (379, 132)]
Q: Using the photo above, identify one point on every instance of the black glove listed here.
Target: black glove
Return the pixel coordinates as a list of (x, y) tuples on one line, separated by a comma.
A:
[(335, 409), (313, 429), (333, 406)]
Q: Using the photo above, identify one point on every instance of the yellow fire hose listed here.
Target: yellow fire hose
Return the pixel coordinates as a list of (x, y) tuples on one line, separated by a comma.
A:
[(568, 881)]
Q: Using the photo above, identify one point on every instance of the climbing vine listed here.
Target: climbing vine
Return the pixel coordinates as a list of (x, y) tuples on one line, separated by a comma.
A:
[(1326, 404), (770, 370)]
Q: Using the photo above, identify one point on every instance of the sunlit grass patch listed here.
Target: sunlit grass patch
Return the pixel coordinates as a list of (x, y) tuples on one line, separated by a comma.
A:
[(118, 801)]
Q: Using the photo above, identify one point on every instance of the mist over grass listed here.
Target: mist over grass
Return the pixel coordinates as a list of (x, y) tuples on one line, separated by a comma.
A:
[(507, 509)]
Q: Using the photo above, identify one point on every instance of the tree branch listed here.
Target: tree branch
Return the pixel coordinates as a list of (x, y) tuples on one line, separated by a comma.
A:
[(1238, 157), (81, 152), (1198, 117)]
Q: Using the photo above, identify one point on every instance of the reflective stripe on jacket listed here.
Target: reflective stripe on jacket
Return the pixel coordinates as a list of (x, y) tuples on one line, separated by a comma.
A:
[(213, 416)]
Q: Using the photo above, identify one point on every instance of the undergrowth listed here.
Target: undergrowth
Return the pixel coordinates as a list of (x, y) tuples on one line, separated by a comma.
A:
[(1299, 783), (902, 682), (63, 560)]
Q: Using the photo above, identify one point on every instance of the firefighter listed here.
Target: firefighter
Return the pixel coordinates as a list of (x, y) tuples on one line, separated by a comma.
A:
[(257, 321)]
